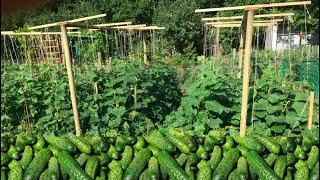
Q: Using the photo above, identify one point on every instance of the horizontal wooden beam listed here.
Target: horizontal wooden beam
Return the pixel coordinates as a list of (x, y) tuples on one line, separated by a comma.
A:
[(129, 26), (240, 17), (34, 33), (239, 22), (71, 21), (239, 25), (254, 6), (146, 28), (113, 24), (71, 28)]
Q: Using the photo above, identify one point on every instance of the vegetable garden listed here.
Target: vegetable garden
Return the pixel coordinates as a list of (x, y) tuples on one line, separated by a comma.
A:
[(122, 109)]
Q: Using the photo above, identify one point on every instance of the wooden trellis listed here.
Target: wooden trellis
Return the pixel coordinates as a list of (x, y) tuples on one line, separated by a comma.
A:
[(247, 25)]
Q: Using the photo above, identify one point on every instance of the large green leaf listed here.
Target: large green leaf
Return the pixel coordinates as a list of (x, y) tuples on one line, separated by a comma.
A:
[(278, 128), (214, 106), (301, 96), (262, 104)]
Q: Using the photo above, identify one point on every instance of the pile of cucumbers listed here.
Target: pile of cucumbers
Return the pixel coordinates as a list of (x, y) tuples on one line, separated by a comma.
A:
[(170, 155)]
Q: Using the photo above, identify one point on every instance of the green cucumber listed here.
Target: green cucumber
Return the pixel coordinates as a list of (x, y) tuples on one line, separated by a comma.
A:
[(82, 159), (140, 144), (299, 153), (64, 174), (242, 149), (242, 167), (61, 143), (208, 144), (289, 146), (137, 165), (144, 175), (205, 170), (113, 153), (155, 151), (27, 157), (53, 168), (260, 167), (216, 156), (130, 140), (16, 173), (153, 166), (92, 165), (38, 164), (55, 151), (13, 153), (298, 140), (112, 140), (250, 143), (71, 166), (20, 142), (44, 175), (179, 142), (171, 166), (3, 175), (104, 159), (302, 172), (202, 153), (81, 144), (192, 144), (163, 173), (120, 144), (289, 175), (182, 159), (315, 172), (291, 159), (233, 175), (116, 172), (227, 164), (40, 142), (99, 145), (271, 145), (306, 144), (271, 158), (280, 166), (200, 140), (103, 174), (127, 157), (228, 144), (30, 140), (4, 145), (313, 157), (157, 140), (4, 159)]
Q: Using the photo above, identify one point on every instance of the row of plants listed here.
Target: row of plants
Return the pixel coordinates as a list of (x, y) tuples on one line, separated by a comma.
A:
[(165, 154), (129, 98)]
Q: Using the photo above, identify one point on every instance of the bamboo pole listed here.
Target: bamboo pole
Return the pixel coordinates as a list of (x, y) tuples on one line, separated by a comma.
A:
[(64, 40), (145, 58), (99, 61), (311, 110), (240, 56), (246, 71)]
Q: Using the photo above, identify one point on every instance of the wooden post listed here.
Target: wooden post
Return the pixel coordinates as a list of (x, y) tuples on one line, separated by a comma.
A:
[(240, 56), (145, 58), (310, 110), (233, 56), (99, 61), (246, 71), (64, 40)]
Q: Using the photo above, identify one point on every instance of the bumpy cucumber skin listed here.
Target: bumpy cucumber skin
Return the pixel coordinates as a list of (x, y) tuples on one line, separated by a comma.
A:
[(4, 159), (228, 144), (299, 153), (242, 167), (171, 167), (20, 143), (179, 142), (113, 153), (82, 159), (306, 144), (291, 159), (53, 168), (40, 143), (216, 156), (120, 144), (153, 166), (104, 159), (44, 175), (144, 175), (302, 172), (92, 166), (289, 175), (140, 144), (208, 144), (280, 166), (313, 157), (38, 164), (233, 175), (182, 159), (55, 151), (81, 144), (202, 153), (15, 173), (155, 151), (71, 166), (271, 159), (250, 143), (116, 172), (3, 175), (227, 164), (205, 171), (103, 174), (27, 157), (269, 143), (13, 153), (127, 157), (61, 143), (137, 165), (314, 175), (157, 140), (260, 167)]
